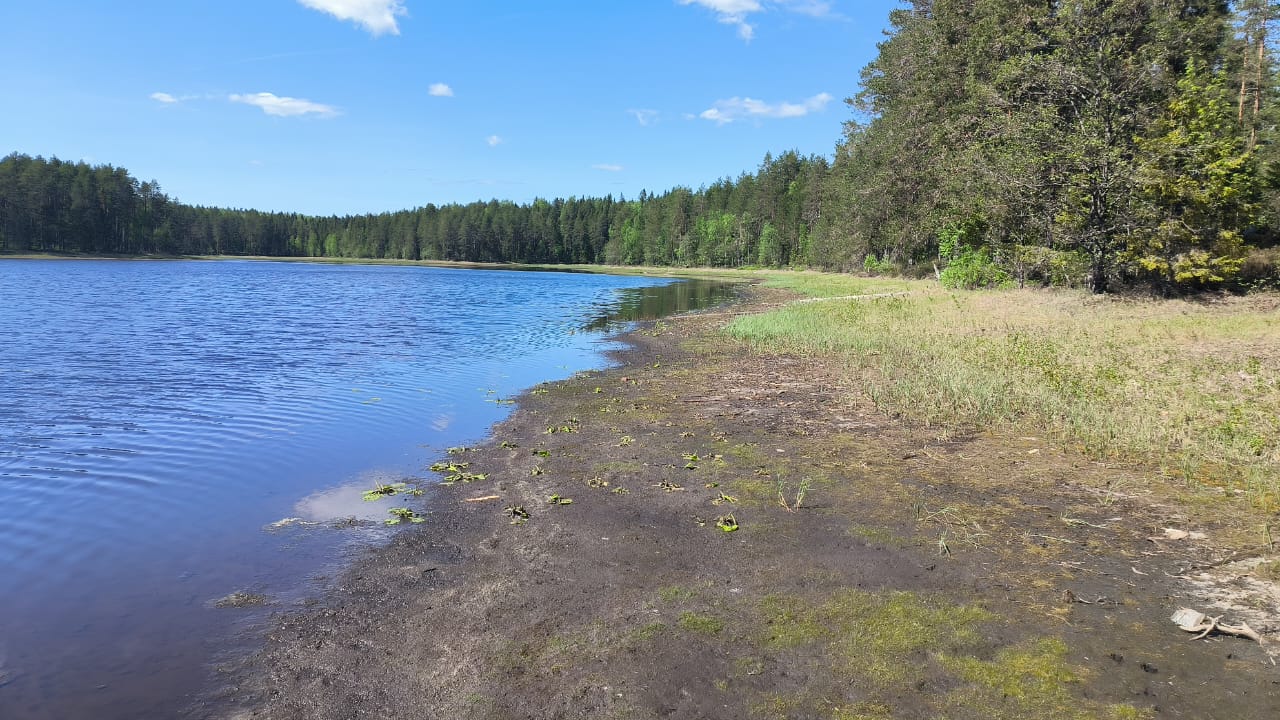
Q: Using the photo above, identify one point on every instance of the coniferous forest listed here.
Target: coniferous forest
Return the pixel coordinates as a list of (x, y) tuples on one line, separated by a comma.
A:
[(1094, 143)]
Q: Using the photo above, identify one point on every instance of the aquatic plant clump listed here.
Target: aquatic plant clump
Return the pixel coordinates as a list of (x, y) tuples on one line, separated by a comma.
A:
[(384, 490), (401, 515)]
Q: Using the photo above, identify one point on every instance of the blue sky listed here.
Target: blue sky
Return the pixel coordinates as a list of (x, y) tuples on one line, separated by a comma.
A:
[(352, 106)]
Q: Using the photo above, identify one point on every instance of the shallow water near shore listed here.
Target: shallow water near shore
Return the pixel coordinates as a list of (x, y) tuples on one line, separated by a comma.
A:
[(157, 419)]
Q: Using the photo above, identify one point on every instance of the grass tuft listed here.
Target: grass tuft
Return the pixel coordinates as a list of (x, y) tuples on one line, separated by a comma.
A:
[(703, 624)]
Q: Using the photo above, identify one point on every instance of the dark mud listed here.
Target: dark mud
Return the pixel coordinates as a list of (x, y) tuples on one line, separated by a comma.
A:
[(988, 577)]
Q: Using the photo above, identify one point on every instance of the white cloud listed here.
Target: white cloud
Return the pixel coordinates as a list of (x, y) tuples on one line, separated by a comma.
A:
[(376, 16), (171, 99), (440, 90), (812, 8), (732, 12), (726, 111), (737, 12), (644, 117), (608, 167), (284, 106), (493, 140)]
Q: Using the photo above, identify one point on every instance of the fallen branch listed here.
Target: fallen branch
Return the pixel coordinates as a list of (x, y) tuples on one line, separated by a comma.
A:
[(486, 498), (1194, 621)]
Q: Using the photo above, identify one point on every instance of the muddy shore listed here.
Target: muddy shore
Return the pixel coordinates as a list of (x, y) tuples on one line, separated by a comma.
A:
[(875, 571)]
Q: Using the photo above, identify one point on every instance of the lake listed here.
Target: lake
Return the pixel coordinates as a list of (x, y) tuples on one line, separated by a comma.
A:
[(158, 418)]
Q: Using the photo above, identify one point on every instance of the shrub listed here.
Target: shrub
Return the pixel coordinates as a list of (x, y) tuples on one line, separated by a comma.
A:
[(874, 266), (969, 263), (973, 269)]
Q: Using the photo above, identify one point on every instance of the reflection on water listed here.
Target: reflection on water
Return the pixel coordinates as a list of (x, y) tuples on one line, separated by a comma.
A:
[(347, 501), (156, 417), (652, 302)]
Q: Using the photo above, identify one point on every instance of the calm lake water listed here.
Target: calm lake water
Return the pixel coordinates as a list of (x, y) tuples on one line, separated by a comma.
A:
[(157, 417)]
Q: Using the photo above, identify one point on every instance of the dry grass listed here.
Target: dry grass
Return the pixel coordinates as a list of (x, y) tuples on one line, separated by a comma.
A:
[(1192, 387)]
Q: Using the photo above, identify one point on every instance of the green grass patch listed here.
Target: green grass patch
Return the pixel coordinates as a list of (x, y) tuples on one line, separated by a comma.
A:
[(703, 624), (1192, 387), (675, 593), (827, 285)]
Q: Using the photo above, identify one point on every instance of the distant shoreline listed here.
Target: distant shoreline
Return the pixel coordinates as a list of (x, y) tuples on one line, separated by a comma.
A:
[(643, 270)]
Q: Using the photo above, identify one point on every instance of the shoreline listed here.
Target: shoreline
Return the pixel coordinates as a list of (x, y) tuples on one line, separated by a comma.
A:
[(640, 270), (800, 612)]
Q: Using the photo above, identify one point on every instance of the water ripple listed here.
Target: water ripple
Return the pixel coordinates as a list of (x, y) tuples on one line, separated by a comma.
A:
[(155, 416)]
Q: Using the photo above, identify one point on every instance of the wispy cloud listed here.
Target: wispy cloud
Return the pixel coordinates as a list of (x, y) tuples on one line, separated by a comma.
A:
[(493, 140), (376, 16), (738, 12), (644, 117), (272, 104), (812, 8), (165, 98), (608, 167), (440, 90), (732, 12), (727, 111)]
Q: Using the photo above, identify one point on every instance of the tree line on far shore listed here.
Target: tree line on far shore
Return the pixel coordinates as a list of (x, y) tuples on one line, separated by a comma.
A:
[(1099, 143), (48, 205)]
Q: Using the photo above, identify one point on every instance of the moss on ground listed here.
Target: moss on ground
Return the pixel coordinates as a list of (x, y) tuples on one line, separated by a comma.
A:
[(887, 646), (1029, 680)]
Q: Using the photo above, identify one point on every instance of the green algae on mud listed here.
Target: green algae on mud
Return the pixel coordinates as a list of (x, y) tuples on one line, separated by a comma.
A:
[(892, 644)]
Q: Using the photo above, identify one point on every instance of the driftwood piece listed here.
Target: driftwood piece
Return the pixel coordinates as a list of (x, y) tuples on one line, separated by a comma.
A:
[(1194, 621), (485, 498)]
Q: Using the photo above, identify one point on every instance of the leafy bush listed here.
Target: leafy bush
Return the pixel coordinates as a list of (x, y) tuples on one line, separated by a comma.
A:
[(1059, 268), (973, 269), (874, 266)]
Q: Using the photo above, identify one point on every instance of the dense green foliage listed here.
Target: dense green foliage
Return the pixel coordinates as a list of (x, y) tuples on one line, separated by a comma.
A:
[(1119, 137), (1079, 142), (56, 206)]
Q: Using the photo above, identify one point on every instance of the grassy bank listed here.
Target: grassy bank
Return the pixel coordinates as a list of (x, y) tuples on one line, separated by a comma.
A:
[(1189, 386)]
